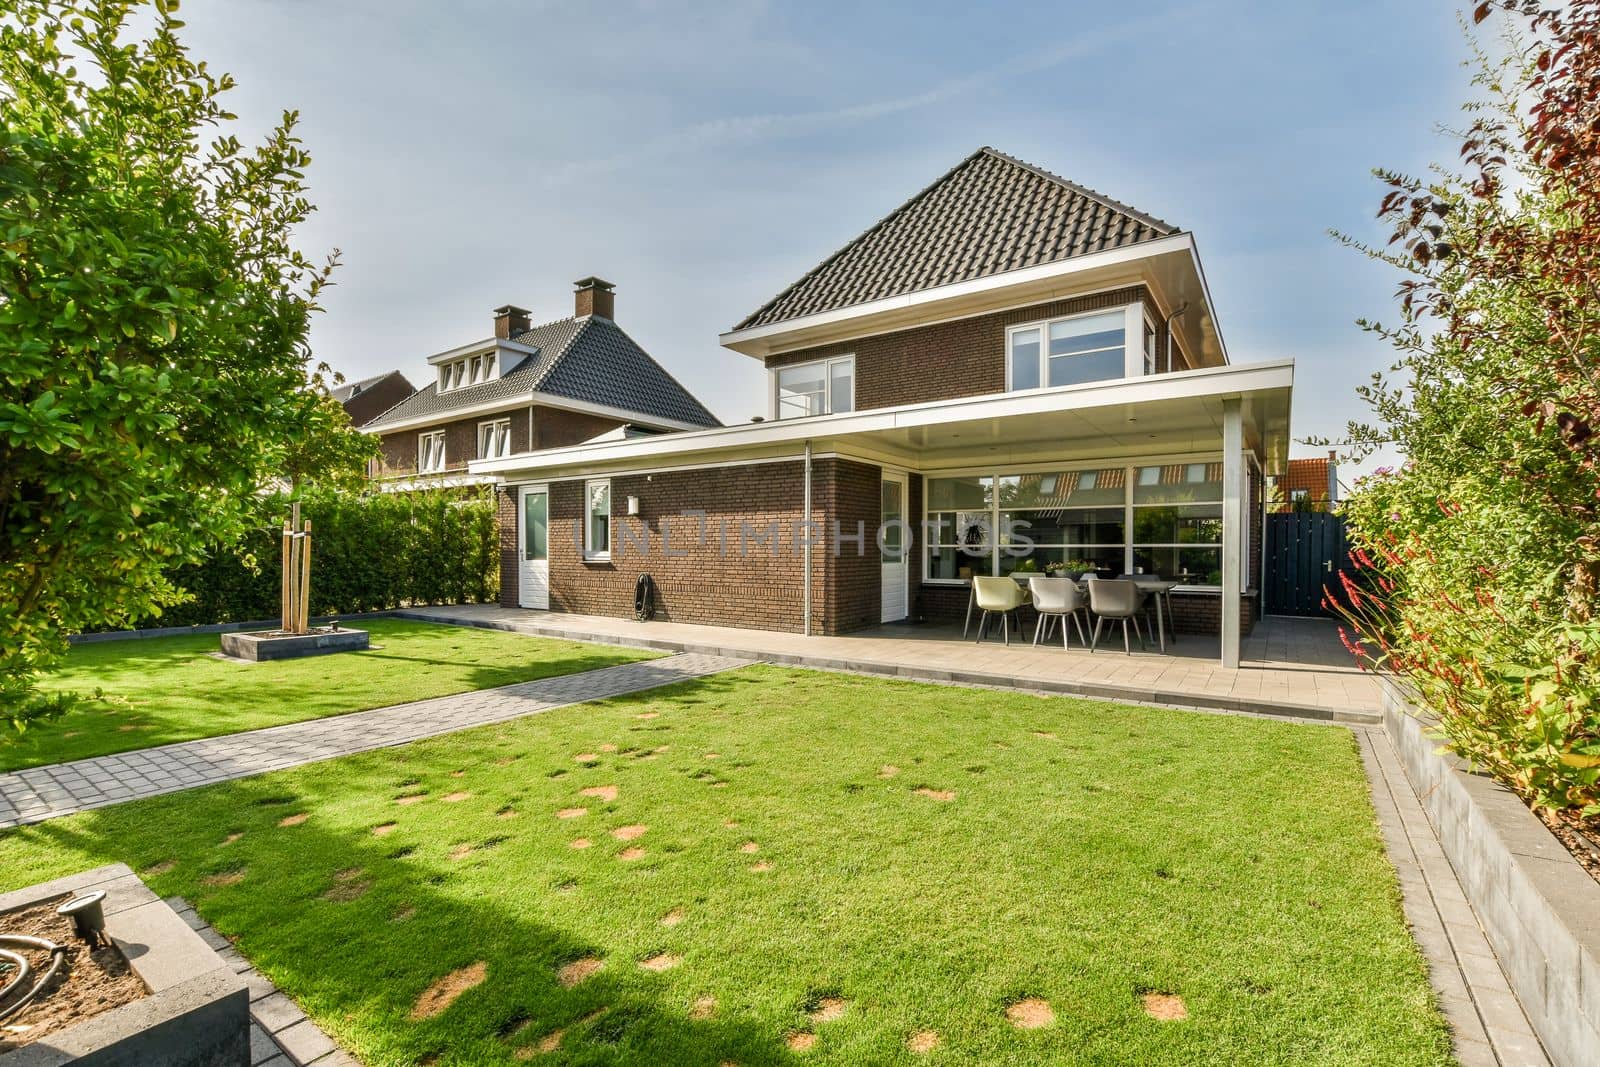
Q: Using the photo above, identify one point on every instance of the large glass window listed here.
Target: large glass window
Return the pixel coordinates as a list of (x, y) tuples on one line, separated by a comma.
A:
[(430, 452), (1164, 520), (1084, 348), (1060, 521), (597, 521), (1177, 522), (826, 387), (960, 527)]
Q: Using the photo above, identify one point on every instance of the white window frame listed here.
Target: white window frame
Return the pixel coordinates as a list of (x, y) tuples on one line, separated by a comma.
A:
[(1078, 468), (503, 428), (589, 552), (472, 370), (1149, 357), (422, 447), (1132, 353), (774, 408)]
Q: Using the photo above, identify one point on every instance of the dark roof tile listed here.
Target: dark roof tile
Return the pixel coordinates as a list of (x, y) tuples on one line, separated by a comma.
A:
[(590, 360), (987, 215)]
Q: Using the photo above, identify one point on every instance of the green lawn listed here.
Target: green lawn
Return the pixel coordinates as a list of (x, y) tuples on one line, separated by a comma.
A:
[(169, 689), (1081, 854)]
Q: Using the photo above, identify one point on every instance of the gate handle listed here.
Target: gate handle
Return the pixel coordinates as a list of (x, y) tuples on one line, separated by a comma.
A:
[(1327, 565)]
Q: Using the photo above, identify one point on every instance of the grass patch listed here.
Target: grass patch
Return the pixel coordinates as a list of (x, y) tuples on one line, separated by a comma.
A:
[(1229, 863), (168, 689)]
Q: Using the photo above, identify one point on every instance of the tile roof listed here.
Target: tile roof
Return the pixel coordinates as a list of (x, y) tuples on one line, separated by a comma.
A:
[(988, 214), (590, 360), (343, 393)]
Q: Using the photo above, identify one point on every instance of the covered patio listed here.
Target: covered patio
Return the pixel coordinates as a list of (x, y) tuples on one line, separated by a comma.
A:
[(1288, 667), (1159, 475)]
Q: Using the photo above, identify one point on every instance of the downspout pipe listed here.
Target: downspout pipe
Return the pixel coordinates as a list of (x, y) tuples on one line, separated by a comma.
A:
[(805, 564), (1166, 325)]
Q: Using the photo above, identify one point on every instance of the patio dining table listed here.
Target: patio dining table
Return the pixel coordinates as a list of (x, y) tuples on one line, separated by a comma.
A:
[(1150, 584), (1160, 589)]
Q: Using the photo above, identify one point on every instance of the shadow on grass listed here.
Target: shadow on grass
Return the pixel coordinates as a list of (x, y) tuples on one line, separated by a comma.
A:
[(358, 966), (175, 692)]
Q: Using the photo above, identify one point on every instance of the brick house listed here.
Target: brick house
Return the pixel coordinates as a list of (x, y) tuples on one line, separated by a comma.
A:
[(365, 400), (1008, 372), (528, 388), (1310, 484)]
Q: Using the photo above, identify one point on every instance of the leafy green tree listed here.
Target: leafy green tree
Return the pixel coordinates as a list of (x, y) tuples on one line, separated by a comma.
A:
[(329, 451), (154, 367), (1482, 552)]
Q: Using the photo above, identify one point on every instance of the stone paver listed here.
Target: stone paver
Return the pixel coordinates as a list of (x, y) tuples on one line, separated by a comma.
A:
[(1486, 1021), (41, 793), (1292, 667), (280, 1033)]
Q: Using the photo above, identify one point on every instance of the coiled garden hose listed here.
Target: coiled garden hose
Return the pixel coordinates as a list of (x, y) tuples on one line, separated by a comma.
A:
[(24, 969)]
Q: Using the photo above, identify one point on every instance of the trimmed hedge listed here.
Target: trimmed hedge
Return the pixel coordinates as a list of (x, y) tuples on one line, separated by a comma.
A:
[(369, 552)]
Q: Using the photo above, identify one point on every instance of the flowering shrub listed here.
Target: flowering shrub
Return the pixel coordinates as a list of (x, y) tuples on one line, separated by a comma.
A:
[(1479, 558)]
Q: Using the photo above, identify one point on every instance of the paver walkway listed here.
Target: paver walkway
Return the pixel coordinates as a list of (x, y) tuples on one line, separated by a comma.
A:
[(1487, 1024), (40, 793)]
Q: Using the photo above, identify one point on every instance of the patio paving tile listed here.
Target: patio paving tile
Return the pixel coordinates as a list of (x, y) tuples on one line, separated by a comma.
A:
[(1294, 667), (1487, 1023)]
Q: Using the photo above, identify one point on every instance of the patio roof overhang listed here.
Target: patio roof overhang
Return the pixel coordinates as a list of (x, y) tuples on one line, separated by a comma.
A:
[(1158, 415)]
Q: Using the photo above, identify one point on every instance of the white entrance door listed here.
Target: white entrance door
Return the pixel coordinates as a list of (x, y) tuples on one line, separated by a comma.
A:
[(893, 551), (533, 548)]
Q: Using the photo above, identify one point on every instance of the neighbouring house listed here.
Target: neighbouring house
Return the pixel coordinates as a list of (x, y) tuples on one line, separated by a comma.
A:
[(529, 388), (370, 397), (1008, 371), (1310, 484)]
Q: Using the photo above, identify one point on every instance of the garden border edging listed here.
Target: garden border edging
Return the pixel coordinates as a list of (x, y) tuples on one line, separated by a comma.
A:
[(1538, 908)]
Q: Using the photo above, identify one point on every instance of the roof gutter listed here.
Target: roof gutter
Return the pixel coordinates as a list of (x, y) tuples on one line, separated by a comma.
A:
[(531, 398), (1205, 381), (750, 338)]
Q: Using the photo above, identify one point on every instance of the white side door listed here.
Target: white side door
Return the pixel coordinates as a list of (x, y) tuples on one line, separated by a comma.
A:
[(533, 547), (893, 553)]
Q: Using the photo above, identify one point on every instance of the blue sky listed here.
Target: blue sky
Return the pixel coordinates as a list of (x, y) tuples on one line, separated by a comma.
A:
[(703, 156)]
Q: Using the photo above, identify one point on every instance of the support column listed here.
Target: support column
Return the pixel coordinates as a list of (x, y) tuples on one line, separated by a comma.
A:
[(1232, 527)]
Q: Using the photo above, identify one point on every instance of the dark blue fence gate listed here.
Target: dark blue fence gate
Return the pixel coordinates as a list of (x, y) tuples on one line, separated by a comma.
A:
[(1306, 553)]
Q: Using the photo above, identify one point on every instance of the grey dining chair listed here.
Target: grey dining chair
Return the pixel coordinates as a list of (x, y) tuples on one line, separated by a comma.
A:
[(1057, 599), (1118, 599)]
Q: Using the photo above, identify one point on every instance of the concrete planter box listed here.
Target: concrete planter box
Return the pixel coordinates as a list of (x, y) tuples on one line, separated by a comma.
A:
[(196, 1013), (267, 645), (1539, 909)]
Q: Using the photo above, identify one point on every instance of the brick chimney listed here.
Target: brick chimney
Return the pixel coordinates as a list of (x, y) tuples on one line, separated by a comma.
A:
[(594, 297), (511, 320)]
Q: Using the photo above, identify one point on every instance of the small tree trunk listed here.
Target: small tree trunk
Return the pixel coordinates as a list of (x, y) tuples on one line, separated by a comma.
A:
[(1582, 590)]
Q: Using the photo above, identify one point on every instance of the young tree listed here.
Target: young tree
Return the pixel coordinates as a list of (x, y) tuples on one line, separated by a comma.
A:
[(154, 367), (1483, 550)]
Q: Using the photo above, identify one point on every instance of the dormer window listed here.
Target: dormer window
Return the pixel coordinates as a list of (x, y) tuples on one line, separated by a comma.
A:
[(473, 370)]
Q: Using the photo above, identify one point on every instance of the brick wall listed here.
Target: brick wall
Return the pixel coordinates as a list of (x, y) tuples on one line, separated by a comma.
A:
[(370, 403), (552, 428), (505, 500), (1201, 613), (949, 359), (460, 442), (755, 589), (701, 582), (557, 428), (849, 493)]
